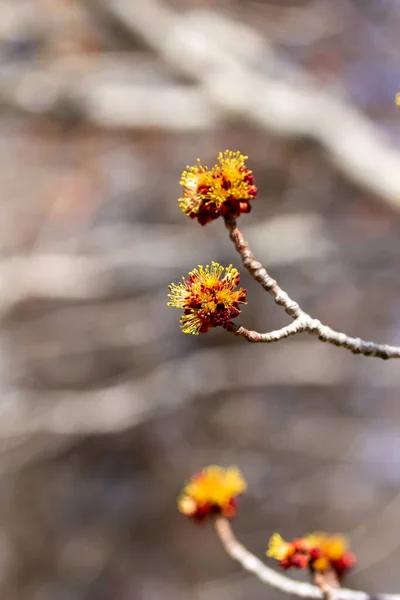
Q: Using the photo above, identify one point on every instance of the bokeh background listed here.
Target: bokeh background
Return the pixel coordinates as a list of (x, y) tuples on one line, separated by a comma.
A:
[(106, 408)]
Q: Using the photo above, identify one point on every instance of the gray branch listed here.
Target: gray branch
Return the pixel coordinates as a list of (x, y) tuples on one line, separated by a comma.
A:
[(302, 322)]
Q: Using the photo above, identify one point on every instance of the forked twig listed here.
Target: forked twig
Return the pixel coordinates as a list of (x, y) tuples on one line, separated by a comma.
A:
[(280, 582), (302, 322)]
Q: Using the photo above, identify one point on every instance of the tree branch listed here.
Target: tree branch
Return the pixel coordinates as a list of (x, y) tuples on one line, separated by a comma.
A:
[(303, 322), (281, 98), (75, 93), (280, 582)]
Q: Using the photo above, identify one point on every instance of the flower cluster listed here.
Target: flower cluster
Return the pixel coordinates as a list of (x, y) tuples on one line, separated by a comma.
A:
[(319, 551), (208, 298), (212, 491), (225, 190)]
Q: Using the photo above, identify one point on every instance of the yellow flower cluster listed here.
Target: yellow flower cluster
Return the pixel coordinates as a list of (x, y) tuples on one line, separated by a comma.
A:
[(213, 490), (279, 548), (319, 551), (208, 298), (225, 190)]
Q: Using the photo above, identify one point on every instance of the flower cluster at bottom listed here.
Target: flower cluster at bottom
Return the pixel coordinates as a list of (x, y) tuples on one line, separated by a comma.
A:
[(208, 298), (319, 551), (212, 491)]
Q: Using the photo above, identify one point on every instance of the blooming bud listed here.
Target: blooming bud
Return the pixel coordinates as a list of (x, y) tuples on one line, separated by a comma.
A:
[(319, 551), (213, 490), (225, 190), (208, 298)]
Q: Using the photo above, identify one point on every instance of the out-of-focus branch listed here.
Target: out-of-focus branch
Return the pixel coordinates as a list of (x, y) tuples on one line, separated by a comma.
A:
[(78, 93), (53, 277), (73, 277), (282, 99), (302, 322), (176, 107), (119, 405), (124, 404), (280, 582)]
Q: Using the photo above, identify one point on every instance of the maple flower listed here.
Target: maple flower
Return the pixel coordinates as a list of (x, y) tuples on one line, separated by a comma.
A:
[(279, 548), (289, 554), (224, 190), (212, 491), (330, 552), (318, 551), (208, 298)]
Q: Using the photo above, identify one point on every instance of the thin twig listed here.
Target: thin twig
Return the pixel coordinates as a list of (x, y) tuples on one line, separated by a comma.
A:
[(280, 582), (303, 322), (259, 273), (327, 583), (297, 326)]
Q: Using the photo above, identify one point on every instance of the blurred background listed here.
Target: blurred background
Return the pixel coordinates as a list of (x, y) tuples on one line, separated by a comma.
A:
[(106, 408)]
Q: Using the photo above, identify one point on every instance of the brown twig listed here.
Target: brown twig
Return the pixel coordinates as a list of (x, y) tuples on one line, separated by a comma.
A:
[(327, 583), (297, 326), (303, 322), (280, 582)]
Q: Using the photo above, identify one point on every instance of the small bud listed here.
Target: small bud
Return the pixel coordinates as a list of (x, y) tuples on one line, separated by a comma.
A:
[(300, 561), (279, 548), (301, 545)]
